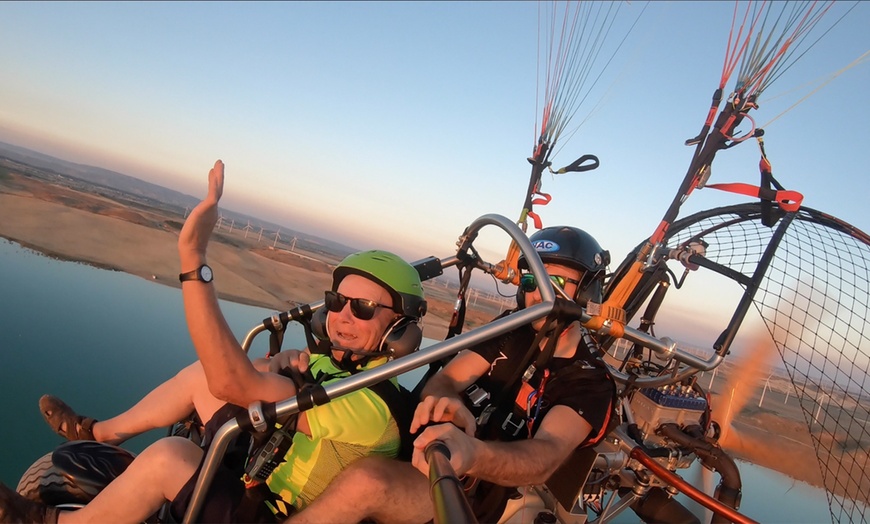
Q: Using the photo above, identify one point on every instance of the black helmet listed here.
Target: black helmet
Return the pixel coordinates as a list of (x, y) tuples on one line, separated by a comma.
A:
[(574, 248)]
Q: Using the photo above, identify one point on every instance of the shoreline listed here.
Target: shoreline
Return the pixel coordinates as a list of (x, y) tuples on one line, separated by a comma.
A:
[(73, 226)]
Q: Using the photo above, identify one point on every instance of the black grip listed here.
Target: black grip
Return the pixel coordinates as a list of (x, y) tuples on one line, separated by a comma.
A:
[(311, 395), (296, 314), (567, 310), (649, 315), (448, 497)]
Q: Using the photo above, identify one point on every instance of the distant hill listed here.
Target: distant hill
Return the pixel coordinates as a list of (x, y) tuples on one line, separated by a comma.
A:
[(98, 176), (149, 191)]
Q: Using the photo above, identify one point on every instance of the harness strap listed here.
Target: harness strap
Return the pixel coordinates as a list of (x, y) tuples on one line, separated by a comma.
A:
[(605, 428), (550, 347), (457, 320), (276, 338), (401, 405), (788, 200), (522, 367)]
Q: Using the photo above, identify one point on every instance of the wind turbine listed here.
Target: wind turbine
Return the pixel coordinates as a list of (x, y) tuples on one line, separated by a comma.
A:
[(277, 236), (220, 221), (826, 396), (765, 388), (233, 223), (248, 228), (261, 234)]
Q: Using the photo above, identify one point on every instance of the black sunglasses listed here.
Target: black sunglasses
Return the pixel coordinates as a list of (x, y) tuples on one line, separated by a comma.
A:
[(362, 308), (528, 283)]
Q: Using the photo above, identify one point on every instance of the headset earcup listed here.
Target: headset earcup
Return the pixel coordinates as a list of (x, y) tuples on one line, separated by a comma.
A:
[(320, 323), (402, 338)]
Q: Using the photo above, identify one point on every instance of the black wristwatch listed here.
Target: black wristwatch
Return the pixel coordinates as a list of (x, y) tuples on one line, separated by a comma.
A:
[(203, 273)]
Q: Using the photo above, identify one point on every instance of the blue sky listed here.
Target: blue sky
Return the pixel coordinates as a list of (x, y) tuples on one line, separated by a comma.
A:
[(395, 124)]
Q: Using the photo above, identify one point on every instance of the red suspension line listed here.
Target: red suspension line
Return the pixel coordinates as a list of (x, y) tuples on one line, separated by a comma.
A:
[(735, 52)]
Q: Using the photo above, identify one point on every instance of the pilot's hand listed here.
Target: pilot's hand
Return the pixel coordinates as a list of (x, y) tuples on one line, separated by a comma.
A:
[(462, 448), (443, 409)]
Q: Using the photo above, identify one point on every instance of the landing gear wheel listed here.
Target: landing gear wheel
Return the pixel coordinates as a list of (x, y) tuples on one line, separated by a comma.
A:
[(43, 482), (74, 473)]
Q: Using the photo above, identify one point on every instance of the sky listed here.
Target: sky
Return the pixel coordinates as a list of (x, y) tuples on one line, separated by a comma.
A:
[(396, 124)]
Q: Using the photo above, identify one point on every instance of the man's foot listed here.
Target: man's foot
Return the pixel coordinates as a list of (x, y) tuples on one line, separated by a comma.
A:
[(64, 421), (16, 509)]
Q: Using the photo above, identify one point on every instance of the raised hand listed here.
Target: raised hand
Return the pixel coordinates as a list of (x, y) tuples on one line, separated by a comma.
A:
[(195, 234)]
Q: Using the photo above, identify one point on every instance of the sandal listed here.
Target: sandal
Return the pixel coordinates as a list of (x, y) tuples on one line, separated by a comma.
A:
[(64, 421)]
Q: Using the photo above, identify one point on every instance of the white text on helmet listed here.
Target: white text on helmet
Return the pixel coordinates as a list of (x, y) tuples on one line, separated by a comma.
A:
[(546, 246)]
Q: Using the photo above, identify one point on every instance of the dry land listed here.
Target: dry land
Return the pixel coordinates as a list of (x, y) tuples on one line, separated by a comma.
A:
[(107, 232), (74, 225)]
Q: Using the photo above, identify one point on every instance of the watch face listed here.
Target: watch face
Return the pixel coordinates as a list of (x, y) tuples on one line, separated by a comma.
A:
[(206, 274)]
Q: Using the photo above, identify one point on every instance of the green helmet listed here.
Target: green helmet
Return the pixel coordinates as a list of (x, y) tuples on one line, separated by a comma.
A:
[(398, 277)]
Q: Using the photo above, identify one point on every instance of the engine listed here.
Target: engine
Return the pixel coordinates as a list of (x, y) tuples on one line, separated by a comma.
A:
[(669, 425)]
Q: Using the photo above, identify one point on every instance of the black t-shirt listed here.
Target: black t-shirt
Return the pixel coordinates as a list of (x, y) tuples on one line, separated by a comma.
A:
[(581, 383)]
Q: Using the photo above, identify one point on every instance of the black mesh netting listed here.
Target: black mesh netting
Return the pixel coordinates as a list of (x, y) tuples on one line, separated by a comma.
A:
[(813, 299)]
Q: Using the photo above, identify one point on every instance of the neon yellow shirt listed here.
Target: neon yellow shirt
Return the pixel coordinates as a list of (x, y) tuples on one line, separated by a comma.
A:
[(348, 428)]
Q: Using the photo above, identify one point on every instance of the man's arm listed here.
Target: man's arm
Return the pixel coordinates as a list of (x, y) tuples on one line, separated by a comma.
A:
[(517, 463), (229, 372), (458, 374)]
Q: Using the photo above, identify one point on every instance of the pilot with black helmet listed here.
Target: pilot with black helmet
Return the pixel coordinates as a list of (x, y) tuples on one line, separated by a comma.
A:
[(511, 410)]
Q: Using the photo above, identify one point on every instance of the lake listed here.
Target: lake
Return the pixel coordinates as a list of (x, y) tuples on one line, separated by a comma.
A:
[(102, 339)]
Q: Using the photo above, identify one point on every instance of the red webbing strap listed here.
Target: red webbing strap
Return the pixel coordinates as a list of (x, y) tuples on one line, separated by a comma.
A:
[(788, 200), (543, 201)]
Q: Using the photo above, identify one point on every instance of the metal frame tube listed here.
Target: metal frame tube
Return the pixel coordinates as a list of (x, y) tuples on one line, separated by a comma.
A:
[(636, 453)]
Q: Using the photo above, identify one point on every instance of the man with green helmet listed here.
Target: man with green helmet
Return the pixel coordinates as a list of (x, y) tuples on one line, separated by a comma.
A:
[(401, 281), (370, 314)]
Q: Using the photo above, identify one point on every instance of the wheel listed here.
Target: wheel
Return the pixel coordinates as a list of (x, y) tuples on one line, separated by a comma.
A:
[(44, 482), (75, 472)]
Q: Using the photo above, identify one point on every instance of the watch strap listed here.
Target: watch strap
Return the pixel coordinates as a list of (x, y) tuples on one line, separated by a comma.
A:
[(196, 274)]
